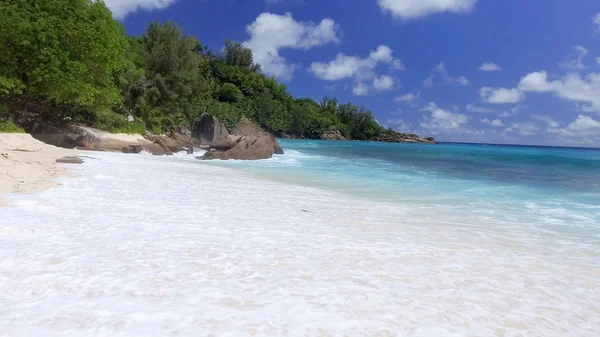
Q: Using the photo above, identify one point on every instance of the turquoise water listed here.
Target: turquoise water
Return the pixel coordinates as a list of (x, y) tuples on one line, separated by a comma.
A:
[(553, 188)]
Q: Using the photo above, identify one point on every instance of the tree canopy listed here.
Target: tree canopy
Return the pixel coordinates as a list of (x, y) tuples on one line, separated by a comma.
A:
[(73, 56)]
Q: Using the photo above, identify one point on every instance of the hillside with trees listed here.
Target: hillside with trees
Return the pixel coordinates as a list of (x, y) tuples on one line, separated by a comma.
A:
[(69, 60)]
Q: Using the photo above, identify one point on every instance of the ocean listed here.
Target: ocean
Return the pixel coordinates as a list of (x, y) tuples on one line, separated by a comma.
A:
[(330, 239)]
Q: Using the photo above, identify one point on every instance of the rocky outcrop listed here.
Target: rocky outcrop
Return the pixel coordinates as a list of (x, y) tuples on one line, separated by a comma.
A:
[(207, 129), (246, 142), (332, 135), (225, 143), (171, 144), (86, 138), (399, 137)]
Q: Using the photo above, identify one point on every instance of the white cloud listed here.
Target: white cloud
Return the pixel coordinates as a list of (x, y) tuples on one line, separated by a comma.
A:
[(399, 65), (546, 119), (442, 120), (500, 95), (475, 108), (598, 60), (445, 77), (596, 20), (571, 87), (383, 82), (524, 129), (513, 111), (414, 9), (584, 123), (583, 131), (495, 122), (489, 66), (398, 125), (344, 66), (270, 33), (120, 8), (409, 98), (360, 89), (361, 70), (575, 58)]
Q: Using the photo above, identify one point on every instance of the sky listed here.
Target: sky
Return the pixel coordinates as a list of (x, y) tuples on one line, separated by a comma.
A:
[(511, 71)]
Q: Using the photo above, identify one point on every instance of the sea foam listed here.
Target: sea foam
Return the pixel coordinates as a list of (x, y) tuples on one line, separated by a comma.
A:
[(161, 246)]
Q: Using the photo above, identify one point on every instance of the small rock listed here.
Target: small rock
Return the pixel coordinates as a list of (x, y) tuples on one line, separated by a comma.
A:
[(70, 160)]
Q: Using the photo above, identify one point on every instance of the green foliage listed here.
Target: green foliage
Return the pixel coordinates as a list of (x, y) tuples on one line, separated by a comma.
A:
[(229, 93), (108, 120), (63, 50), (74, 62), (235, 54), (8, 126), (132, 128)]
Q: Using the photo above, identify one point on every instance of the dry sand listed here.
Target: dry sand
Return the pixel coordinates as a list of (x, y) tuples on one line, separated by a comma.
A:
[(28, 165)]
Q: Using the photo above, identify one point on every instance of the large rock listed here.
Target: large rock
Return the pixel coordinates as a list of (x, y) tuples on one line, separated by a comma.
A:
[(225, 142), (86, 138), (247, 142), (332, 135), (207, 129)]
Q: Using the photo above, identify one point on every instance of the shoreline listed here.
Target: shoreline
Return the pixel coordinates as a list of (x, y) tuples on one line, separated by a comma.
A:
[(28, 166), (157, 245)]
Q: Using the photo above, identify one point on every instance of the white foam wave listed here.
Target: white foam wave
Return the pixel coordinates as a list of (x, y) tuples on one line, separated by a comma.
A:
[(171, 246)]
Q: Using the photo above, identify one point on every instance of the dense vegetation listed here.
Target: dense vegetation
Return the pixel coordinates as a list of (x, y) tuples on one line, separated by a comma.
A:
[(69, 60)]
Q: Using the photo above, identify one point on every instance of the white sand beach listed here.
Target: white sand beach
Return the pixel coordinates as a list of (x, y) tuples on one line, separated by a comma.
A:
[(28, 165)]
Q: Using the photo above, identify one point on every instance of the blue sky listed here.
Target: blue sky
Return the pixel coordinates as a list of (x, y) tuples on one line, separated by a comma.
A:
[(509, 71)]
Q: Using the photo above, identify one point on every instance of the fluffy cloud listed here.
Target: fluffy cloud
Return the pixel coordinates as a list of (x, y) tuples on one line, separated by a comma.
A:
[(598, 60), (270, 33), (383, 82), (495, 122), (442, 120), (344, 66), (361, 70), (488, 66), (441, 72), (410, 98), (513, 111), (475, 108), (571, 87), (584, 123), (500, 95), (120, 8), (575, 59), (414, 9), (360, 89), (524, 129), (583, 131), (596, 20)]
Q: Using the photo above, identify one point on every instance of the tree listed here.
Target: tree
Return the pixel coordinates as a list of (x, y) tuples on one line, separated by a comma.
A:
[(171, 63), (235, 54), (66, 51)]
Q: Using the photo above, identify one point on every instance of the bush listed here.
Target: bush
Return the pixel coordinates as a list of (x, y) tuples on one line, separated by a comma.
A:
[(108, 120), (229, 93), (132, 128), (8, 126)]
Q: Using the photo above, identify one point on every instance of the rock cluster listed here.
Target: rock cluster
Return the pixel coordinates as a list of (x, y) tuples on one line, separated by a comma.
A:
[(247, 141), (399, 137), (332, 135)]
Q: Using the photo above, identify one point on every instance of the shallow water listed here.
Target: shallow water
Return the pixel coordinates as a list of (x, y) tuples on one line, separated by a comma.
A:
[(298, 246)]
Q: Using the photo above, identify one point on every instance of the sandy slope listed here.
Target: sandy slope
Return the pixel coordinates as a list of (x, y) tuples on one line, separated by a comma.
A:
[(28, 165)]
